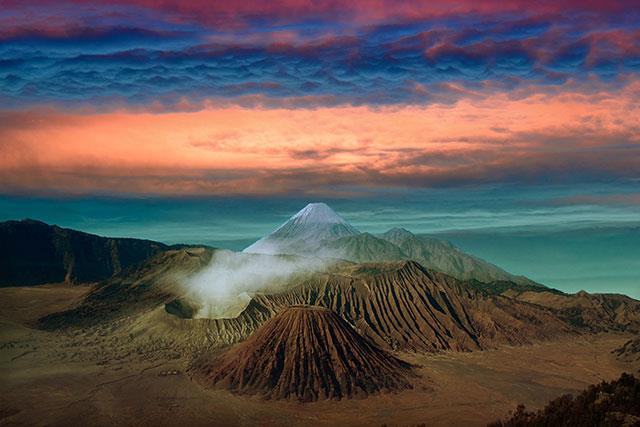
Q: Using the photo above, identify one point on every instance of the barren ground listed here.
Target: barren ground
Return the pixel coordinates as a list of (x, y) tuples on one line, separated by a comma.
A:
[(79, 379)]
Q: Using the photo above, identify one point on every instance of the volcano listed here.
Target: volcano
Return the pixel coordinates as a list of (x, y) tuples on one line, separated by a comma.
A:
[(305, 353), (318, 231), (304, 232)]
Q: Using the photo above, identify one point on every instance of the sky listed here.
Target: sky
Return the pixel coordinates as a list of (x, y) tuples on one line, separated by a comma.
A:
[(517, 117)]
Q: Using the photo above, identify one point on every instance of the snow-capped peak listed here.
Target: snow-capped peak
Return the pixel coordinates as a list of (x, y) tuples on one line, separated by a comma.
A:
[(304, 231), (317, 213)]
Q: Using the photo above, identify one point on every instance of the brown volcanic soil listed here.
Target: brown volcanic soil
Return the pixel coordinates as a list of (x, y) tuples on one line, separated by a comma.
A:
[(117, 376), (629, 352), (404, 306), (591, 312), (398, 306), (305, 353)]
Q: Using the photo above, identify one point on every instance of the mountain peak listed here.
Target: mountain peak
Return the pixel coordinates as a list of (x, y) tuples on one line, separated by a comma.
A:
[(399, 231), (318, 213), (304, 231)]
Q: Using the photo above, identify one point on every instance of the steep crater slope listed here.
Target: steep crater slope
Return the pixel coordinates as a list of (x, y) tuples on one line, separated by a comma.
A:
[(405, 306), (304, 353), (142, 288), (397, 305)]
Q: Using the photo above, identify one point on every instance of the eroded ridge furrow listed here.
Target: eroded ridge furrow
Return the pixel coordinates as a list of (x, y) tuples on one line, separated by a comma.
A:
[(398, 306), (407, 307), (305, 353)]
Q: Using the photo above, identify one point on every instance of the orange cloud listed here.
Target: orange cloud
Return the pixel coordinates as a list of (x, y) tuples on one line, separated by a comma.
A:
[(230, 149)]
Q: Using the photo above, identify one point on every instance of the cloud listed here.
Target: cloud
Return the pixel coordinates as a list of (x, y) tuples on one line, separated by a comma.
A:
[(542, 139), (143, 53), (237, 15), (621, 199)]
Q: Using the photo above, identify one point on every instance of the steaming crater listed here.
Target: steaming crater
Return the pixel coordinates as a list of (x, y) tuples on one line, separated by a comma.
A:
[(226, 286)]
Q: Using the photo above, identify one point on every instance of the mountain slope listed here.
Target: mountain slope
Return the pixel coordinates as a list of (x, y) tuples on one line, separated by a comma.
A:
[(305, 353), (304, 232), (441, 255), (33, 253), (363, 247), (143, 287), (595, 312), (629, 351), (402, 305), (317, 230), (397, 305)]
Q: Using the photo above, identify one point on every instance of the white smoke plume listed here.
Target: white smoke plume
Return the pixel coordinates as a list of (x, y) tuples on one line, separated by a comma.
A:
[(225, 287)]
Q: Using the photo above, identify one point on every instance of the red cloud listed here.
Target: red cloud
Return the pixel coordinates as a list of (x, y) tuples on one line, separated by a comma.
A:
[(235, 14), (225, 150)]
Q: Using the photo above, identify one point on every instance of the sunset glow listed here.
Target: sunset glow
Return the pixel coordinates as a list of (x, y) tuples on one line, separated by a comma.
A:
[(510, 128), (266, 150), (173, 98)]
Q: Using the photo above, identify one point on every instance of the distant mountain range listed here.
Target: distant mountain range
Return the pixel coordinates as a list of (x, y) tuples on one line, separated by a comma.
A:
[(395, 302), (318, 230), (34, 253)]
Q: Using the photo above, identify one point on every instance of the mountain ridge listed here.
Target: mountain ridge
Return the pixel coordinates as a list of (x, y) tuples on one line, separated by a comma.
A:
[(304, 231), (397, 305), (319, 231), (304, 353), (33, 253)]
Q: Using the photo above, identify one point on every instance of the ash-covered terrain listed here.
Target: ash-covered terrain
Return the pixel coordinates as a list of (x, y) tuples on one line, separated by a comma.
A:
[(316, 323)]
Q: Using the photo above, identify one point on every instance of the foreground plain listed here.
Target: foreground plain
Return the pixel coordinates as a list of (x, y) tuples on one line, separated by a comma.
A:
[(52, 378)]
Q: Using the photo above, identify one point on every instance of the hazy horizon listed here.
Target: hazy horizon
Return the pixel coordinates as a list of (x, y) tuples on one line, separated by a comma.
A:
[(554, 235), (509, 128)]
